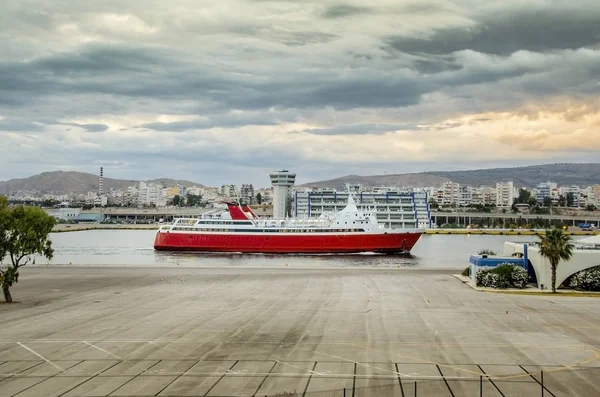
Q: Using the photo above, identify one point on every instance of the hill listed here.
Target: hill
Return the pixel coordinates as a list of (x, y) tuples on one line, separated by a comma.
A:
[(563, 174), (69, 182)]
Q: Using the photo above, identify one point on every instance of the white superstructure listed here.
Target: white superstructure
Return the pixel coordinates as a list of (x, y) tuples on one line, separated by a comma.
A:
[(393, 208)]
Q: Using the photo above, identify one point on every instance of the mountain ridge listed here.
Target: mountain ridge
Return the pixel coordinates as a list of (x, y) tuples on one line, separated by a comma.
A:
[(73, 182), (581, 174)]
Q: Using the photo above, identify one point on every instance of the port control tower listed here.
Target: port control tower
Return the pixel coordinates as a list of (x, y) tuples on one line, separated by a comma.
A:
[(282, 182)]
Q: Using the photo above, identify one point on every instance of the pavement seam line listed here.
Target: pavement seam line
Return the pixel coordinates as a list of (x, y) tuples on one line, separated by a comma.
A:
[(40, 356), (445, 381), (194, 363), (22, 370), (102, 350), (134, 377), (46, 378), (297, 367), (309, 378), (94, 376), (348, 360), (399, 380), (222, 376), (537, 381), (491, 381), (354, 380), (265, 378)]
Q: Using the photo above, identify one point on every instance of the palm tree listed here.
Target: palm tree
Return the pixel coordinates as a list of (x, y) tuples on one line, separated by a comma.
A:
[(555, 246)]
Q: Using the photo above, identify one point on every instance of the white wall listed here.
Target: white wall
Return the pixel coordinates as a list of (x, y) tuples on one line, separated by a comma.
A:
[(581, 259)]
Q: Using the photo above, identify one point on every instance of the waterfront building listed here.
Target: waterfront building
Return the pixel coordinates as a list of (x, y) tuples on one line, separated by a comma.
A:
[(450, 193), (395, 208), (465, 195), (505, 194), (150, 194), (544, 190), (483, 195)]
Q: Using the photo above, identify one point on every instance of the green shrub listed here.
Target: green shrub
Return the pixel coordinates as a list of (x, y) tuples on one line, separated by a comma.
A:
[(587, 280), (502, 276), (467, 271), (486, 252)]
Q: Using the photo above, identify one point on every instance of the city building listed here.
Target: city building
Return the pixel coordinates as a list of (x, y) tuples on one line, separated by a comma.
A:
[(247, 193), (229, 191), (395, 208), (450, 193), (544, 190), (593, 195), (282, 182), (465, 195), (505, 194), (150, 194)]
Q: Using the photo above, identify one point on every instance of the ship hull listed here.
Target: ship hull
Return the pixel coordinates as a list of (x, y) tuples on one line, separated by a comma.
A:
[(390, 242)]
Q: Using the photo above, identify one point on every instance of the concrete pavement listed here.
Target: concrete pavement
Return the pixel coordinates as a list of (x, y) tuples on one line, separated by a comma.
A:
[(80, 331)]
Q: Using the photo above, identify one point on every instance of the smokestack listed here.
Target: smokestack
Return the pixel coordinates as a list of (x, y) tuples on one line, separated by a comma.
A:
[(101, 182)]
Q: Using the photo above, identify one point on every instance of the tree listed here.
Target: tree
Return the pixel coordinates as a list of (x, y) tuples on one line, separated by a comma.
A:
[(193, 200), (177, 200), (547, 201), (524, 196), (562, 201), (532, 202), (570, 199), (590, 207), (555, 246), (258, 198), (23, 233)]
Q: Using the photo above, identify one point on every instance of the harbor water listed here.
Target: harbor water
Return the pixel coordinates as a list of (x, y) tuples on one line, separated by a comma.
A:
[(135, 248)]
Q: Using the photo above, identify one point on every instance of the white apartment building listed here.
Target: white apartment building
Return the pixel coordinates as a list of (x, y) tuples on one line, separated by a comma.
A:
[(505, 194), (483, 195), (450, 193), (394, 208), (151, 194), (545, 189), (465, 196), (593, 195)]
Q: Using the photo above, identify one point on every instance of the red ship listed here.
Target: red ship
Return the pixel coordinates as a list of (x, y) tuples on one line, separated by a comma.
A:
[(240, 230)]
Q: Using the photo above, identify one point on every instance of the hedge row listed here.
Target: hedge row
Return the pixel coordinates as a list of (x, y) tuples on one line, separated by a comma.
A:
[(505, 275)]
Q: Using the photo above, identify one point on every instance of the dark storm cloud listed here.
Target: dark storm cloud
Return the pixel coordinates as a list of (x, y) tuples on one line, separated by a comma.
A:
[(120, 70), (344, 10), (507, 31), (144, 73)]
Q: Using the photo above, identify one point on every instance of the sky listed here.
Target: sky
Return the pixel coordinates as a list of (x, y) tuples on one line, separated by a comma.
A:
[(226, 91)]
